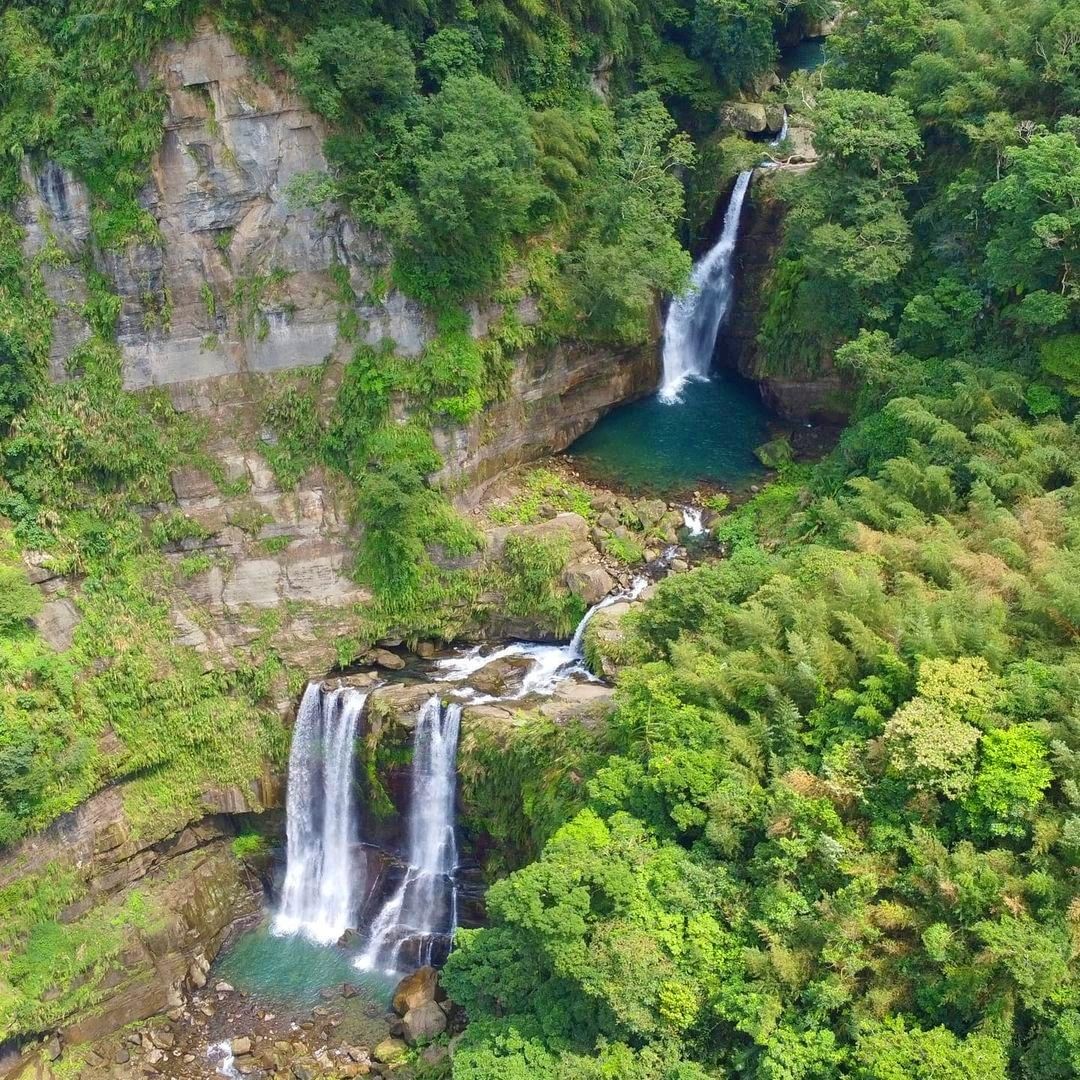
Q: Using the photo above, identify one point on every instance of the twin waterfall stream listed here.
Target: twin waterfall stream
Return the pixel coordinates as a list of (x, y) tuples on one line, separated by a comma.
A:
[(322, 893), (325, 890)]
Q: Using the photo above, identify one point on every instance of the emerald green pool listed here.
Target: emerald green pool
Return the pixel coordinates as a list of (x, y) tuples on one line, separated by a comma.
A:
[(293, 970), (807, 55), (708, 438)]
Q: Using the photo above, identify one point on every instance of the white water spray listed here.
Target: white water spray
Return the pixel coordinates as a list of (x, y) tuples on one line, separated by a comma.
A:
[(694, 319), (423, 910), (221, 1056), (783, 132), (317, 898), (691, 518), (550, 664)]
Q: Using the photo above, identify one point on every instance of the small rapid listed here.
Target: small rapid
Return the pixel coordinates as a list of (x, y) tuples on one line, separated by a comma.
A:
[(694, 318), (550, 664), (692, 517), (221, 1057)]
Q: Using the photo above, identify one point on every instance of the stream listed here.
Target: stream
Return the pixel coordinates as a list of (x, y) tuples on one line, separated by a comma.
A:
[(351, 914)]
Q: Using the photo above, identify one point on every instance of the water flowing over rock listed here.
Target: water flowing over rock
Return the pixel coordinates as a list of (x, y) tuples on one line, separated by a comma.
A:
[(221, 1057), (415, 925), (550, 664), (318, 896), (694, 319), (692, 520)]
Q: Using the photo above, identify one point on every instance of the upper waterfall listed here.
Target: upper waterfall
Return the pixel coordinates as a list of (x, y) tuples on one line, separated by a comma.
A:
[(694, 319), (317, 898), (422, 912)]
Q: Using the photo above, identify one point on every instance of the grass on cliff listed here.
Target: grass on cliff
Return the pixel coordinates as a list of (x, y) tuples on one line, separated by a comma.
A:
[(542, 488)]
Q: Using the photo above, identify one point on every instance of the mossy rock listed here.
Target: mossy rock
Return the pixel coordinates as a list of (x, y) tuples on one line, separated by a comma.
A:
[(775, 454)]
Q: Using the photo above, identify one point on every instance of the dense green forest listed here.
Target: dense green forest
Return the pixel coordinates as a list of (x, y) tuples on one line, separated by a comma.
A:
[(833, 828)]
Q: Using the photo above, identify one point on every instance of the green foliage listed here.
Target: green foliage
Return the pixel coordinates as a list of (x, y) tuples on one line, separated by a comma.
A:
[(735, 37), (533, 587), (290, 414), (250, 845), (354, 67), (543, 488), (852, 747), (71, 93)]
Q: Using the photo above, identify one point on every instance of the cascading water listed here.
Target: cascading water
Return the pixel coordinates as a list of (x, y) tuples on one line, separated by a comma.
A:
[(317, 898), (783, 134), (550, 663), (692, 520), (421, 914), (694, 319), (221, 1057)]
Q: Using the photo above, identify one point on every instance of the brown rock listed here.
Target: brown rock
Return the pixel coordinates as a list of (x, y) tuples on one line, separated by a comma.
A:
[(241, 1045), (591, 583), (424, 1023), (388, 660), (415, 990)]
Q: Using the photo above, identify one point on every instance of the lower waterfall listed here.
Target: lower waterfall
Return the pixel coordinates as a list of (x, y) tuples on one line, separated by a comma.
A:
[(317, 898), (694, 319), (417, 922)]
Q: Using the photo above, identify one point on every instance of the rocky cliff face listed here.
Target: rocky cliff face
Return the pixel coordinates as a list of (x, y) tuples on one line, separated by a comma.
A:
[(554, 396), (240, 281), (241, 285), (818, 396), (141, 915)]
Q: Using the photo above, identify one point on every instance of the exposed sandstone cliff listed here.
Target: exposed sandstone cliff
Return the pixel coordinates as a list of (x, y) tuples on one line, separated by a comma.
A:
[(241, 286)]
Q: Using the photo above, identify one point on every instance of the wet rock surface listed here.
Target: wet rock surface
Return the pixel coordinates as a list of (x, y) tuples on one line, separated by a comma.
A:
[(266, 1040)]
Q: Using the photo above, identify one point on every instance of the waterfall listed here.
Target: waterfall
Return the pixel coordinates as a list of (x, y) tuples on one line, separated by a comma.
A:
[(221, 1056), (422, 912), (783, 132), (320, 824), (691, 517), (550, 663), (694, 319)]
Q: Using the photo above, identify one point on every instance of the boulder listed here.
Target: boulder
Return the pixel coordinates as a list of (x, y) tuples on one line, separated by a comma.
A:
[(388, 1051), (496, 677), (651, 511), (241, 1045), (415, 990), (801, 145), (774, 454), (56, 622), (591, 583), (774, 119), (743, 116), (388, 660), (424, 1023)]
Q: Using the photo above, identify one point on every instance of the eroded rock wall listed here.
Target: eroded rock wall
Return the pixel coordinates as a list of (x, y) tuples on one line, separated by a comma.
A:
[(153, 906), (819, 395), (241, 285)]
